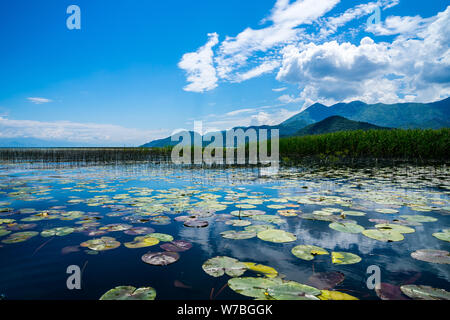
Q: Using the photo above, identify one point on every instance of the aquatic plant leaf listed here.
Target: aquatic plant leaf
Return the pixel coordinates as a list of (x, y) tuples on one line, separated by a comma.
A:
[(19, 237), (116, 227), (335, 295), (161, 236), (394, 228), (308, 252), (387, 211), (425, 292), (238, 235), (129, 293), (60, 232), (387, 291), (291, 290), (345, 258), (238, 223), (326, 280), (196, 224), (269, 219), (353, 213), (247, 213), (160, 258), (259, 227), (139, 230), (276, 236), (346, 227), (101, 244), (419, 218), (4, 232), (444, 235), (218, 266), (432, 256), (177, 246), (252, 287), (267, 271), (383, 235), (142, 242)]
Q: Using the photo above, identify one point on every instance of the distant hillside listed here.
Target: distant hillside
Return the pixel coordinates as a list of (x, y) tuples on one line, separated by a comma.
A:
[(400, 115), (336, 124), (434, 115)]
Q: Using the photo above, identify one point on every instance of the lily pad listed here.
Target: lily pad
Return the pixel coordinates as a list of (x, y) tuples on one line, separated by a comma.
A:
[(345, 258), (326, 280), (307, 252), (276, 236), (291, 290), (139, 231), (19, 237), (267, 271), (252, 287), (383, 235), (419, 218), (218, 266), (101, 244), (394, 228), (259, 227), (129, 293), (387, 291), (346, 227), (238, 223), (142, 242), (238, 235), (177, 246), (425, 292), (196, 224), (444, 235), (60, 232), (432, 256), (160, 258), (335, 295)]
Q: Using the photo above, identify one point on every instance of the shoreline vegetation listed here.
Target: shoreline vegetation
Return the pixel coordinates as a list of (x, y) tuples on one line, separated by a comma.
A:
[(414, 145)]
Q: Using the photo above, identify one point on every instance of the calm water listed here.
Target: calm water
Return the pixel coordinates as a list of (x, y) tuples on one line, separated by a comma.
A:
[(88, 198)]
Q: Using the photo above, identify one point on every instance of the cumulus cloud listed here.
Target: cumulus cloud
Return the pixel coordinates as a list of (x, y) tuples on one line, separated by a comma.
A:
[(88, 133), (198, 65), (36, 100), (374, 72)]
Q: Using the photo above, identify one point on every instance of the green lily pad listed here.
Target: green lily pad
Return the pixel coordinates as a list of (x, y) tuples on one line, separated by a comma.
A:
[(238, 223), (345, 258), (20, 237), (269, 219), (395, 227), (259, 227), (386, 211), (276, 236), (267, 271), (238, 235), (432, 256), (161, 237), (252, 287), (291, 290), (218, 266), (101, 244), (346, 227), (383, 235), (4, 232), (425, 293), (419, 218), (307, 252), (444, 235), (60, 232), (129, 293)]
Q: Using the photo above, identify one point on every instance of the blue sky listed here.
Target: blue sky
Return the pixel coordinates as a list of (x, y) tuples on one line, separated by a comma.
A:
[(137, 70)]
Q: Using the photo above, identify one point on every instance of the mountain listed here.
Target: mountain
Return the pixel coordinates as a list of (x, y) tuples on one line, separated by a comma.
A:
[(400, 115), (335, 124), (433, 115)]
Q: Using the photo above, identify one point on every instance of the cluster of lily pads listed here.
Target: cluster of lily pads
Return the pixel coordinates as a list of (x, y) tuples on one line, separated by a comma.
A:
[(247, 215)]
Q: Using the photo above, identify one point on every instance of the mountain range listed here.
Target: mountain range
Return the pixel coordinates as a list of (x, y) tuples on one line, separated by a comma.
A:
[(353, 116)]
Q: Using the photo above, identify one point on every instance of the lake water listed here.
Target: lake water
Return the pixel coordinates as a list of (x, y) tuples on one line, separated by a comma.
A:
[(37, 198)]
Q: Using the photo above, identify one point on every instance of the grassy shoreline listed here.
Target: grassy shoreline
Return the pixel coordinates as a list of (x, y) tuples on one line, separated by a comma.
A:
[(397, 144)]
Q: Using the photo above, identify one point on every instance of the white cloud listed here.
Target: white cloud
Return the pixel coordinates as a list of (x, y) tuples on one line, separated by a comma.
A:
[(279, 89), (416, 67), (399, 25), (36, 100), (198, 65), (89, 133)]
